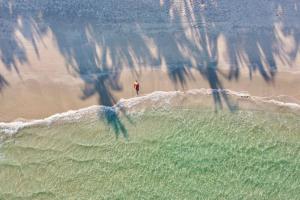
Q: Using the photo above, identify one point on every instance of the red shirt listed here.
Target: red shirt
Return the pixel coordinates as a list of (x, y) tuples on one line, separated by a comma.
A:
[(136, 86)]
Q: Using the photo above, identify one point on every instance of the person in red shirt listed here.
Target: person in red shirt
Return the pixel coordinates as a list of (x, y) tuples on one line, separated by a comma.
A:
[(136, 86)]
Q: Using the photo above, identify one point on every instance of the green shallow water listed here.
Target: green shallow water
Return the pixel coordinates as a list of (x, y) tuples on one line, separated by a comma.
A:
[(178, 154)]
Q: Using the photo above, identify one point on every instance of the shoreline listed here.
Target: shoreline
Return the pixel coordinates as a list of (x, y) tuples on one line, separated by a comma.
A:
[(35, 98), (156, 100)]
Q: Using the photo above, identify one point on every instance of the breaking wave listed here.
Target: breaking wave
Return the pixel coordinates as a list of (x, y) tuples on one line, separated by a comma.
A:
[(165, 100)]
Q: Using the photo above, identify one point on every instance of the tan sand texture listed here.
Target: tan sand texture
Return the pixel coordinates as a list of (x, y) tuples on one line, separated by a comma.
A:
[(58, 55)]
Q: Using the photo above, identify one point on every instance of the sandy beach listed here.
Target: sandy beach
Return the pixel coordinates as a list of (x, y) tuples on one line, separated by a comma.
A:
[(49, 65), (34, 99)]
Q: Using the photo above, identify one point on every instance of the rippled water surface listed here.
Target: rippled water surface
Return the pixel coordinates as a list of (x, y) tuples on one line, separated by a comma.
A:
[(162, 154)]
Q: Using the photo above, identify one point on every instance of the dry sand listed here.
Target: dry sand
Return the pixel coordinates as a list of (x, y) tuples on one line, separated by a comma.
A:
[(53, 61)]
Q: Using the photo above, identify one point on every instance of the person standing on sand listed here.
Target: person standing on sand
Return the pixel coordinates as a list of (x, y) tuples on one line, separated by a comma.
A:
[(136, 86)]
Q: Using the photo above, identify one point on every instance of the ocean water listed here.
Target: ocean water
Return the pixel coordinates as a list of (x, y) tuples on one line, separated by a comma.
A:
[(149, 148)]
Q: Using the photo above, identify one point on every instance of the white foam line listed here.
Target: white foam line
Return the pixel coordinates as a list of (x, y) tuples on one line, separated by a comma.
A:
[(72, 115), (157, 98)]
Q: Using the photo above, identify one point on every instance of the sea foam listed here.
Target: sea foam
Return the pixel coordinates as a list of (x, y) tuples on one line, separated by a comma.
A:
[(156, 100)]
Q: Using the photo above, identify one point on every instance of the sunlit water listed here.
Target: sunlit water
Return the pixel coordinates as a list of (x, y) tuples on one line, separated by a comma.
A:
[(174, 153)]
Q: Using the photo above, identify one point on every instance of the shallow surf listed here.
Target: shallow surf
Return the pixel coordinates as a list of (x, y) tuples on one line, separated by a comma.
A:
[(161, 153), (196, 98)]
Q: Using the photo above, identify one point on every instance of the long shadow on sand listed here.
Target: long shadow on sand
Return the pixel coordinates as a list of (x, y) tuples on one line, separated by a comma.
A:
[(3, 83), (100, 39), (101, 85)]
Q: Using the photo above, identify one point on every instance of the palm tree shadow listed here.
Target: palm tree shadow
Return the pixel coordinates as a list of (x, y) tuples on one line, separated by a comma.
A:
[(126, 35), (112, 118), (218, 90), (210, 72), (3, 83), (102, 86)]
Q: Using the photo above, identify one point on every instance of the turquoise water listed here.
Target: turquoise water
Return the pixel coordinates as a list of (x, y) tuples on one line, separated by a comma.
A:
[(162, 154)]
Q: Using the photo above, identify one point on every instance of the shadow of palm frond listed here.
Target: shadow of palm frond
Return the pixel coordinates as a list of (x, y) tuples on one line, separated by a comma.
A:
[(102, 86), (99, 39), (3, 83), (111, 116)]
